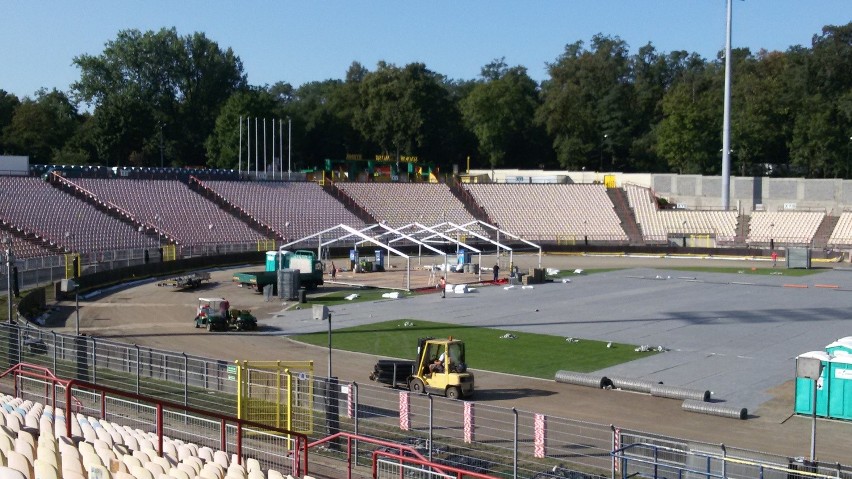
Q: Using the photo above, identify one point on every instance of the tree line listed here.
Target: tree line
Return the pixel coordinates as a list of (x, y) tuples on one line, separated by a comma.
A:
[(160, 96)]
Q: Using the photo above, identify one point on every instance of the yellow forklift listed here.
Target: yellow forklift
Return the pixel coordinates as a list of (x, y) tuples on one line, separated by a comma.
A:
[(441, 369)]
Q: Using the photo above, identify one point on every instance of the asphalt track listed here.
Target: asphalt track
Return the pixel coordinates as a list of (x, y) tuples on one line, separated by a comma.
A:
[(736, 335)]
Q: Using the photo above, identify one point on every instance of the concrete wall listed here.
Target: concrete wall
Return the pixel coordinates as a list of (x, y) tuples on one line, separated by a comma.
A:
[(705, 192), (750, 193)]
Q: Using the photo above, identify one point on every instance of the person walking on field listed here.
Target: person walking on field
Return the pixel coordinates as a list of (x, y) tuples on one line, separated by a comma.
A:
[(496, 271), (443, 286)]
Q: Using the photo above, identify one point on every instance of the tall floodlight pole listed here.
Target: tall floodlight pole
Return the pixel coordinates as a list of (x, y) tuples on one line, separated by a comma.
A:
[(7, 242), (289, 146), (240, 160), (726, 120), (281, 146), (256, 148), (273, 148), (248, 146), (264, 148), (161, 144)]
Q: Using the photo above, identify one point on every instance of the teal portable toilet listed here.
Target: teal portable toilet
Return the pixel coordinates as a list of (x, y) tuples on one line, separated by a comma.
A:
[(840, 387), (271, 261), (841, 346), (805, 387)]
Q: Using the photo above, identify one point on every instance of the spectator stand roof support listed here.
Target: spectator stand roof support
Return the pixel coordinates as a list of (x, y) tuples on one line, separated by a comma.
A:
[(431, 238), (507, 234), (352, 232), (424, 243)]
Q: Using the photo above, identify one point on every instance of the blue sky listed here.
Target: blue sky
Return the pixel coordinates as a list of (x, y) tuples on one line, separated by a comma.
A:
[(305, 41)]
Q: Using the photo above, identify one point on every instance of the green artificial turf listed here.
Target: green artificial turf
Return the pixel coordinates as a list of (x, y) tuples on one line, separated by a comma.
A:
[(535, 355)]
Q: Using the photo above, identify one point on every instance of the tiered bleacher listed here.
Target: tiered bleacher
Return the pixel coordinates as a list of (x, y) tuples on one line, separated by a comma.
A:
[(293, 209), (657, 225), (24, 248), (549, 211), (33, 206), (842, 234), (170, 205), (34, 445), (791, 227), (399, 204)]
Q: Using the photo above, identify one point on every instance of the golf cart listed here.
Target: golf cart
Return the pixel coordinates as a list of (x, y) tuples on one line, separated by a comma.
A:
[(210, 315), (214, 317)]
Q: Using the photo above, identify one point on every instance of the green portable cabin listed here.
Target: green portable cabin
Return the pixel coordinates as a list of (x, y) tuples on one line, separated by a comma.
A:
[(805, 388), (840, 387), (842, 345)]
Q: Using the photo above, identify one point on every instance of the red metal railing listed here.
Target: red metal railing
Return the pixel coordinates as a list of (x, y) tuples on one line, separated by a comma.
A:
[(44, 374), (438, 468), (299, 453), (370, 440)]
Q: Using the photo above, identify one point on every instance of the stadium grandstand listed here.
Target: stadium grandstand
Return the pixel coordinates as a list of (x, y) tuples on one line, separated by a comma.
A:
[(54, 212), (99, 432)]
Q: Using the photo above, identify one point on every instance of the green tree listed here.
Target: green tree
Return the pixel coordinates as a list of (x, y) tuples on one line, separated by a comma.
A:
[(586, 103), (145, 83), (223, 144), (408, 111), (8, 104), (653, 76), (761, 123), (689, 136), (39, 128), (501, 112)]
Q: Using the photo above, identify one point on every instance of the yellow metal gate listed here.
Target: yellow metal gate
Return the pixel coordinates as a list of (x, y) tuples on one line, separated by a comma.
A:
[(276, 393)]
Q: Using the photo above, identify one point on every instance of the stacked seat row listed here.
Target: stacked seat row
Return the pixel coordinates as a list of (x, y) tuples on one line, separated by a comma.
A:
[(34, 445)]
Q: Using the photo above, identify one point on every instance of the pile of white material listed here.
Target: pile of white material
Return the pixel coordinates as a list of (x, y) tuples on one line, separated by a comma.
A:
[(647, 348), (351, 297), (552, 271), (508, 336), (391, 295), (578, 271)]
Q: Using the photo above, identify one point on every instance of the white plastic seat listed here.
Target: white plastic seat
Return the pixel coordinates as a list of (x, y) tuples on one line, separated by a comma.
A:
[(187, 469), (98, 472), (166, 462), (10, 473), (134, 460), (45, 470), (208, 474), (19, 462), (195, 462), (141, 473), (179, 473), (155, 468), (221, 458)]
